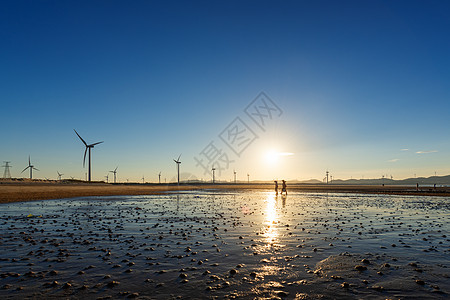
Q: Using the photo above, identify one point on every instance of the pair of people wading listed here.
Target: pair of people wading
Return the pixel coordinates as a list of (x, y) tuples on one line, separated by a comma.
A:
[(283, 187)]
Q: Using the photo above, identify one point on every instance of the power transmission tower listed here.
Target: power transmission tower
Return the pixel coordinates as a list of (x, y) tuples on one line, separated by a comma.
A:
[(7, 173)]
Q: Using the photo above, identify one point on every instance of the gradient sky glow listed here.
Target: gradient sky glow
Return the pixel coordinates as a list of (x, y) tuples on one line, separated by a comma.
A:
[(363, 85)]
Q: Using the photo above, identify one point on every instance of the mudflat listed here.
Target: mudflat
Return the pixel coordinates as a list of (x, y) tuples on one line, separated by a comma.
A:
[(227, 244), (14, 191)]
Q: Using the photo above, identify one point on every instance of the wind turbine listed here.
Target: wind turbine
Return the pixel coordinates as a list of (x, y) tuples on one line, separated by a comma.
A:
[(143, 179), (234, 172), (213, 173), (107, 178), (248, 178), (159, 177), (115, 171), (59, 175), (90, 146), (31, 168), (178, 162)]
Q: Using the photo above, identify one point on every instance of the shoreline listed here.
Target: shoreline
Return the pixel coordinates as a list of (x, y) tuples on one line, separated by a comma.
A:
[(13, 191)]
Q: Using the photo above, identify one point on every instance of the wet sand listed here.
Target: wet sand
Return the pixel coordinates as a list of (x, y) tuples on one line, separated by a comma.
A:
[(13, 191), (210, 244)]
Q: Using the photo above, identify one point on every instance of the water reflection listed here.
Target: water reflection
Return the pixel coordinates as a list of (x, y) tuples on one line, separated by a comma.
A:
[(283, 200), (271, 219)]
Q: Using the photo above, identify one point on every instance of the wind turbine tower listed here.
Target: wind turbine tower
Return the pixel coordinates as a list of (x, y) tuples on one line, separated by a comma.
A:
[(88, 146), (7, 166), (159, 177), (143, 179), (327, 175), (248, 178), (234, 172), (31, 168), (213, 174), (107, 178), (115, 171), (59, 175), (178, 162)]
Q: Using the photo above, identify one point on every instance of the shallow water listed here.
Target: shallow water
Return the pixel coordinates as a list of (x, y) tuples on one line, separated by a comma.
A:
[(210, 244)]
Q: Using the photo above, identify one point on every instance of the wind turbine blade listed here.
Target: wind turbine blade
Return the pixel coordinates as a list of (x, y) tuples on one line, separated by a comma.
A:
[(35, 169), (84, 159), (25, 169), (80, 138), (29, 160), (179, 157), (95, 144), (116, 169)]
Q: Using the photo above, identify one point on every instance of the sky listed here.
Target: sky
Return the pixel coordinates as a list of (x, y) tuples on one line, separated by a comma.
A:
[(359, 88)]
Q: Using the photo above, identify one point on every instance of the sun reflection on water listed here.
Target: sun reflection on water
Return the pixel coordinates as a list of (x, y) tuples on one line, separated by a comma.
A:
[(271, 219)]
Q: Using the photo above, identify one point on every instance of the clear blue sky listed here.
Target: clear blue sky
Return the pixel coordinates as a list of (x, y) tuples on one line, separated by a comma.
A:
[(358, 83)]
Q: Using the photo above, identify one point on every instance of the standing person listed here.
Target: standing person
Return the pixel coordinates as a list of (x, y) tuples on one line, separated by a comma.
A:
[(276, 187), (283, 188)]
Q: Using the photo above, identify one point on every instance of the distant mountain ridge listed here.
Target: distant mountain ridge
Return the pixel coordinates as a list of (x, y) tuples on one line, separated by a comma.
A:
[(438, 180)]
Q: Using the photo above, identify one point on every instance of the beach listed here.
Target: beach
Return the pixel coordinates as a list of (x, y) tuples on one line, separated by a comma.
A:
[(26, 190), (226, 244)]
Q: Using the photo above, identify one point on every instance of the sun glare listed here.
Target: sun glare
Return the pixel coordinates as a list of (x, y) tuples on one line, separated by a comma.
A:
[(273, 157)]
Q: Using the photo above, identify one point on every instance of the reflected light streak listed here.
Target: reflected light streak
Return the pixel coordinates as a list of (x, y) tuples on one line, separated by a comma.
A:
[(271, 232)]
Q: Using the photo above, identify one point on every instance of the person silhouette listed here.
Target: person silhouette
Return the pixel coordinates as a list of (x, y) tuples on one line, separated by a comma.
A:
[(276, 187), (283, 188)]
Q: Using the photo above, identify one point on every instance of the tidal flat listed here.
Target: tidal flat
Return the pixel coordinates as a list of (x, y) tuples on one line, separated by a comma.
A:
[(212, 244)]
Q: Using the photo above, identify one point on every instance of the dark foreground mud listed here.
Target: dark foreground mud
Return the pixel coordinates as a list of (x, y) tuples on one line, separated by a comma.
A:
[(249, 244)]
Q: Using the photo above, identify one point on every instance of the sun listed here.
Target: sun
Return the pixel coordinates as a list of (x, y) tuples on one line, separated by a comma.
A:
[(272, 157)]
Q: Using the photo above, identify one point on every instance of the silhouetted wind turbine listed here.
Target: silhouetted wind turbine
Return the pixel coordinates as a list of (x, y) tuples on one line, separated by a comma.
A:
[(107, 178), (178, 162), (143, 179), (115, 171), (90, 146), (248, 178), (31, 168), (234, 172), (59, 175), (159, 177), (213, 174)]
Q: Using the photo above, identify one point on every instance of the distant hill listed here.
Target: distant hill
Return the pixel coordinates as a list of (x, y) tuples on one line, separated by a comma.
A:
[(438, 180), (310, 181)]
